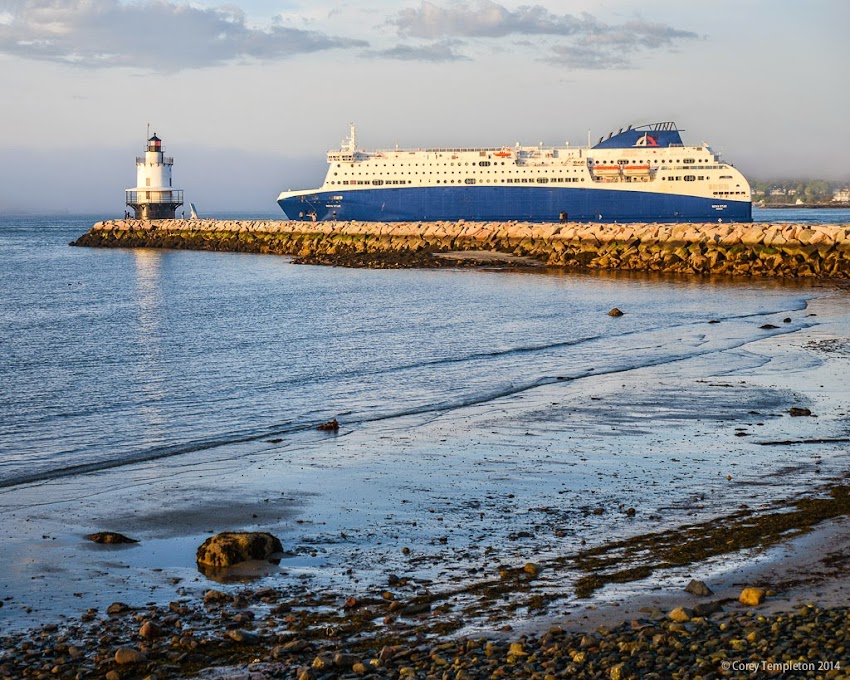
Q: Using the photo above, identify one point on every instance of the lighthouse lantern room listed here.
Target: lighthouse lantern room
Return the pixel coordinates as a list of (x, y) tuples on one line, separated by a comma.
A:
[(153, 197)]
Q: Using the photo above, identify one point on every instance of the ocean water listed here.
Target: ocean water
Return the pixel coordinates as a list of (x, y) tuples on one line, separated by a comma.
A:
[(115, 356)]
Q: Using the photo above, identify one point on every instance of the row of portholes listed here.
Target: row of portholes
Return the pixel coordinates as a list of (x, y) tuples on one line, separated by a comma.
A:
[(345, 174), (684, 161), (425, 165), (468, 180)]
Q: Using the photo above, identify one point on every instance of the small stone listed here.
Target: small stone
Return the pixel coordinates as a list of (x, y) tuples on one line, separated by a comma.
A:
[(342, 660), (598, 511), (681, 614), (619, 672), (243, 637), (294, 646), (768, 327), (117, 608), (797, 412), (110, 538), (699, 589), (516, 649), (752, 596), (532, 569), (787, 319), (631, 512), (322, 662), (707, 608), (212, 596), (615, 312), (330, 426), (112, 675), (150, 630), (128, 655)]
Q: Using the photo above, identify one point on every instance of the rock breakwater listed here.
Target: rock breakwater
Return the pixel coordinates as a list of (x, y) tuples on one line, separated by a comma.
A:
[(760, 249)]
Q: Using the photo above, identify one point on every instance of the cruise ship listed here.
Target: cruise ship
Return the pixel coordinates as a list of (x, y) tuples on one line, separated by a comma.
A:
[(638, 174)]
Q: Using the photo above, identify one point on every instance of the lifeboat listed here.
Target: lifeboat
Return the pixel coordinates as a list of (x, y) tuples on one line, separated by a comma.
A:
[(635, 170), (606, 170), (504, 153)]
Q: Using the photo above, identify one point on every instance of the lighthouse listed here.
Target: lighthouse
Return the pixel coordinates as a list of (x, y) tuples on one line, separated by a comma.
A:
[(153, 197)]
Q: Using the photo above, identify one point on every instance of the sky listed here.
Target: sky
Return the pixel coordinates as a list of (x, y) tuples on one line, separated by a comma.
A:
[(249, 96)]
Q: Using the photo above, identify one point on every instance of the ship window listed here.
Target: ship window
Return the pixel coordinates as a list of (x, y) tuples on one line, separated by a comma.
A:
[(469, 180), (689, 160), (690, 178)]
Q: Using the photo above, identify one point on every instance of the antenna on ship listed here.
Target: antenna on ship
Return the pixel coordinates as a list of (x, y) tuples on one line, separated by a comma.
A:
[(352, 139)]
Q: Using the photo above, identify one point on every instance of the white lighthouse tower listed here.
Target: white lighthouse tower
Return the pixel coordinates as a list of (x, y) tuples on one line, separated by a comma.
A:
[(153, 198)]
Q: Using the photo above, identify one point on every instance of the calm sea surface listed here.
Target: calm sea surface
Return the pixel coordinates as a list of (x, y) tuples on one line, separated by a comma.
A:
[(114, 356)]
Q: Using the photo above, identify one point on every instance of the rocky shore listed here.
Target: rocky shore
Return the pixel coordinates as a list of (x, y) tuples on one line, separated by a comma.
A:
[(758, 249), (227, 639)]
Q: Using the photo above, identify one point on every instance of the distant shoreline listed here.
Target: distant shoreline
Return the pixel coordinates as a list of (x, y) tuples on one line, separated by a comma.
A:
[(807, 206)]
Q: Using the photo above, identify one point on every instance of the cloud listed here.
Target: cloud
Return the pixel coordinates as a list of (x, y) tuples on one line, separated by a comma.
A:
[(153, 34), (483, 19), (587, 42), (443, 50)]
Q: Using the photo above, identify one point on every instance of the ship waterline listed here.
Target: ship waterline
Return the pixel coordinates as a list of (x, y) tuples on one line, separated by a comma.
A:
[(638, 175)]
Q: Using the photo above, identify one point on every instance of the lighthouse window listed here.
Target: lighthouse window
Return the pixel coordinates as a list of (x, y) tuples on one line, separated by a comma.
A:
[(147, 181)]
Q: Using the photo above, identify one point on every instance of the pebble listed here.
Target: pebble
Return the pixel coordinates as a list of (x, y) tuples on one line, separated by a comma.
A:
[(128, 655), (752, 596), (699, 589)]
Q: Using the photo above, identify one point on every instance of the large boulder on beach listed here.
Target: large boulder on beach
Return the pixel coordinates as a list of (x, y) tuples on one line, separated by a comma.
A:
[(232, 547)]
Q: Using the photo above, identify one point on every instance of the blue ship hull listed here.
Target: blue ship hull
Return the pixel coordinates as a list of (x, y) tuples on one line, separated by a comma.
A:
[(499, 204)]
